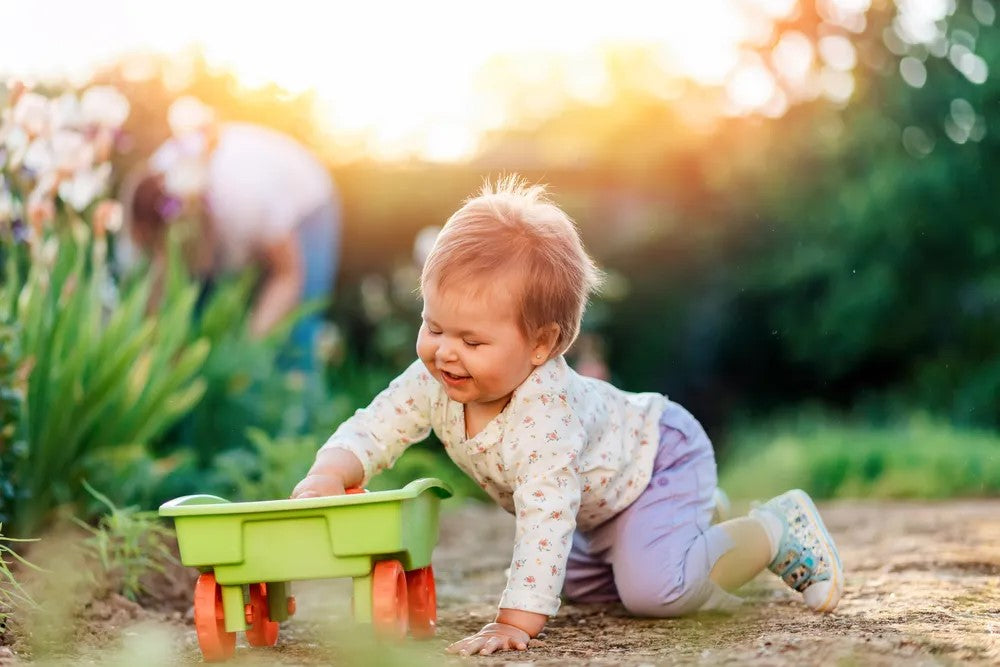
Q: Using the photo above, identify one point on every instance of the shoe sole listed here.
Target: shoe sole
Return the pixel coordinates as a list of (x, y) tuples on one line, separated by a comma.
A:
[(837, 574)]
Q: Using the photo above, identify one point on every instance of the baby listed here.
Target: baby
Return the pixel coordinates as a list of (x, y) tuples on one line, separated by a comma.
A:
[(612, 491)]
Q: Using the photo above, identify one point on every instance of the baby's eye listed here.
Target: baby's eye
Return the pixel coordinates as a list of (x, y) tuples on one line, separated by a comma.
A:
[(436, 333), (470, 343)]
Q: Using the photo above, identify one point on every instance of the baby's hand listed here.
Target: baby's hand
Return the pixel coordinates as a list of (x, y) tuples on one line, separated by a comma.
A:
[(333, 471), (493, 637), (316, 485)]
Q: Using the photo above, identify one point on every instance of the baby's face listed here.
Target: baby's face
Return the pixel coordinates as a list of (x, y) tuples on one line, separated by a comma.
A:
[(471, 343)]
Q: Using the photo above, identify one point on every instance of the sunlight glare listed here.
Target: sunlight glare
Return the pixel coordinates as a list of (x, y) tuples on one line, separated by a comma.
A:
[(407, 76), (778, 9), (793, 56), (751, 86)]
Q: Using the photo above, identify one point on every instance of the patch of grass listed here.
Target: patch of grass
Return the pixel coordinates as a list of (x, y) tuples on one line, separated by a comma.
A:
[(11, 592), (831, 458), (128, 543)]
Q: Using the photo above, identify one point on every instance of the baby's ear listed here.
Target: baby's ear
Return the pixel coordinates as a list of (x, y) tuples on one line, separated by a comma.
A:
[(546, 340)]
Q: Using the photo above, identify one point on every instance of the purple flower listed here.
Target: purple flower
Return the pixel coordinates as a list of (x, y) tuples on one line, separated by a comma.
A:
[(19, 230)]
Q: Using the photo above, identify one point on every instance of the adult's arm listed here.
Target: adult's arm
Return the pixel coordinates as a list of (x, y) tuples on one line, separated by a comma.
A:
[(281, 289)]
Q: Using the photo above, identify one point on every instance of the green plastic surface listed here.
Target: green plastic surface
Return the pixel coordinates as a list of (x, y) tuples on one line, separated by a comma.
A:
[(311, 538)]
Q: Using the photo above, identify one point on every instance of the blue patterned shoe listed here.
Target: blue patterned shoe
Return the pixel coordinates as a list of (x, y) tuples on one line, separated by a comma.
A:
[(807, 558)]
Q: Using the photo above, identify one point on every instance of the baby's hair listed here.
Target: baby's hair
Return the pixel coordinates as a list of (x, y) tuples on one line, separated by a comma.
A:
[(513, 227)]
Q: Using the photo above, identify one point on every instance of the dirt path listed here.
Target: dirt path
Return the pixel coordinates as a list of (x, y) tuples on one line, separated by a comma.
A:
[(923, 587)]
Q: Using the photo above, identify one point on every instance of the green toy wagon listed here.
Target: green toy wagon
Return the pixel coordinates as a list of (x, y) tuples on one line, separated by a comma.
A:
[(249, 552)]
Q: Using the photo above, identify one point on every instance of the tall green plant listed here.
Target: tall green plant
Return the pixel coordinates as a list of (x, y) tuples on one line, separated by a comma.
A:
[(104, 372), (11, 406), (246, 389)]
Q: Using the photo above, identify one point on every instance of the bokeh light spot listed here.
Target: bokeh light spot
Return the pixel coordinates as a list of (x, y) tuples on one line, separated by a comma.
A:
[(917, 142), (838, 52), (913, 72), (837, 86), (750, 87), (984, 12)]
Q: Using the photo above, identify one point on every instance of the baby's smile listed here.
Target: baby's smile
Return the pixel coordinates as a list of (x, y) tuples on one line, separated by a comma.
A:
[(453, 379)]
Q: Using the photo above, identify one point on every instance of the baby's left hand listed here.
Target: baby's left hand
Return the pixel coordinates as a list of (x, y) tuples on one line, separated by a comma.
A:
[(493, 637)]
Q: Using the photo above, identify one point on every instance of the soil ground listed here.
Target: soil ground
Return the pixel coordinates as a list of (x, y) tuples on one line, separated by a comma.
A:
[(923, 588)]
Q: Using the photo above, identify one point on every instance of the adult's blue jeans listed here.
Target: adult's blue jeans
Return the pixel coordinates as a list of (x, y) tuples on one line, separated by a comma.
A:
[(319, 243)]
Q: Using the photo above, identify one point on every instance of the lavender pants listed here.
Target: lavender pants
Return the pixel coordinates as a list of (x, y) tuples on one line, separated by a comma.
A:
[(655, 556)]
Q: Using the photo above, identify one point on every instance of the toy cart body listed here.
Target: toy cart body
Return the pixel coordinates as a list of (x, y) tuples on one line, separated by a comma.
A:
[(248, 552)]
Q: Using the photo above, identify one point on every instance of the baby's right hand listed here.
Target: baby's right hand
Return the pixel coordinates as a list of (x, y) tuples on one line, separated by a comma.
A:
[(316, 485), (333, 471)]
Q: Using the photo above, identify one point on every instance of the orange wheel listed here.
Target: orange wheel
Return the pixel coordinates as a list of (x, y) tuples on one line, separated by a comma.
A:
[(262, 631), (216, 644), (389, 600), (423, 602)]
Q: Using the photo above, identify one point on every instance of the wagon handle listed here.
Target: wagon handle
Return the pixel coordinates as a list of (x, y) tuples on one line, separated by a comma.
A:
[(197, 499)]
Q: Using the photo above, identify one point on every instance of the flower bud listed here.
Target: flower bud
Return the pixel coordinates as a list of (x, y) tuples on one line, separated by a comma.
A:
[(41, 210), (107, 217)]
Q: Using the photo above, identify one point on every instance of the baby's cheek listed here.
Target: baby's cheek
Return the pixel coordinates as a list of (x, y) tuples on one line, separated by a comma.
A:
[(424, 349)]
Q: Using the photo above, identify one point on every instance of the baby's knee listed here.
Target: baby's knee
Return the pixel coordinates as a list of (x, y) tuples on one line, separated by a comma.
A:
[(679, 597)]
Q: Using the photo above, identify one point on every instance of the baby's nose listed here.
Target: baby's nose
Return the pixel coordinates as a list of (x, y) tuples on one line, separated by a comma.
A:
[(446, 351)]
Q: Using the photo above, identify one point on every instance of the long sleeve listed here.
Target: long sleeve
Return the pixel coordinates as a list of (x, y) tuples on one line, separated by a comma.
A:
[(395, 419), (543, 450)]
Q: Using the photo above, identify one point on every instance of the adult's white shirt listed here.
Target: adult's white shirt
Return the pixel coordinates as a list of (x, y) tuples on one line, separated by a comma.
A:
[(258, 185)]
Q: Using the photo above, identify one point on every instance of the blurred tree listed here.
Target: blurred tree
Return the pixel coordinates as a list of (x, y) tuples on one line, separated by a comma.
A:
[(880, 275), (840, 251)]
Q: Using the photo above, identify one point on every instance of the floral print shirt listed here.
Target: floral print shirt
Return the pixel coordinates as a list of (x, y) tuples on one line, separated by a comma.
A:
[(567, 452)]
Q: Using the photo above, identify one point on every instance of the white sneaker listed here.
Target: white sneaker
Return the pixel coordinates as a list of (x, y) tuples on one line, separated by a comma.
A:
[(807, 559)]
